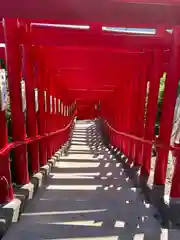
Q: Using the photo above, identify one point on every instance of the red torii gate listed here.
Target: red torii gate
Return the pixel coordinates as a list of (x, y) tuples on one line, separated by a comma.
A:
[(132, 13), (92, 64)]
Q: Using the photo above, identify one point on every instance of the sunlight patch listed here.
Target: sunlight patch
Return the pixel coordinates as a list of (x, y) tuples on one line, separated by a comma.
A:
[(73, 187), (107, 164), (90, 175), (109, 174), (119, 224), (78, 142), (82, 138), (103, 178), (90, 238), (79, 223), (139, 236), (64, 212), (100, 156), (78, 165), (77, 156), (70, 176), (81, 148)]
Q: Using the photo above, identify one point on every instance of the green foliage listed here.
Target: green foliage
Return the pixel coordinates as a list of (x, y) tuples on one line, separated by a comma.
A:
[(9, 123), (160, 97), (160, 101), (8, 115), (2, 64)]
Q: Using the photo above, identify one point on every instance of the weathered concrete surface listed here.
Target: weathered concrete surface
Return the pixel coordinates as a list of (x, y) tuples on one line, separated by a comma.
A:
[(88, 196), (11, 211)]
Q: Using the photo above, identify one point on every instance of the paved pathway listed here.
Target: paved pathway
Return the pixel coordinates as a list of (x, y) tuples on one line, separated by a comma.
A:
[(87, 196)]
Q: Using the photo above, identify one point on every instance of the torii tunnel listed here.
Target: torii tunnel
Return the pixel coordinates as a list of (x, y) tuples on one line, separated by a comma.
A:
[(68, 61)]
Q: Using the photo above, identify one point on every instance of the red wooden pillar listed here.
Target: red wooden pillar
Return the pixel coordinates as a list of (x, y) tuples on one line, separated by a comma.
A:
[(6, 191), (124, 117), (57, 119), (55, 84), (42, 113), (170, 95), (121, 111), (13, 54), (123, 89), (153, 90), (53, 122), (32, 106), (118, 137), (68, 121), (129, 119), (115, 124), (51, 126), (142, 84), (50, 110), (59, 115), (112, 121), (61, 124), (118, 125), (114, 116), (134, 109), (62, 121)]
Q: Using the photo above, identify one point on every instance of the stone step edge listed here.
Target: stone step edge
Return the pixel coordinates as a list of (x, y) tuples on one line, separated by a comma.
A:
[(168, 210), (11, 212)]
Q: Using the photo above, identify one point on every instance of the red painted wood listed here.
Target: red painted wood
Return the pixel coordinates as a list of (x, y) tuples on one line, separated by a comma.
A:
[(129, 115), (2, 40), (154, 75), (14, 77), (88, 38), (141, 97), (86, 110), (107, 11), (88, 66), (170, 95), (31, 117), (42, 114)]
